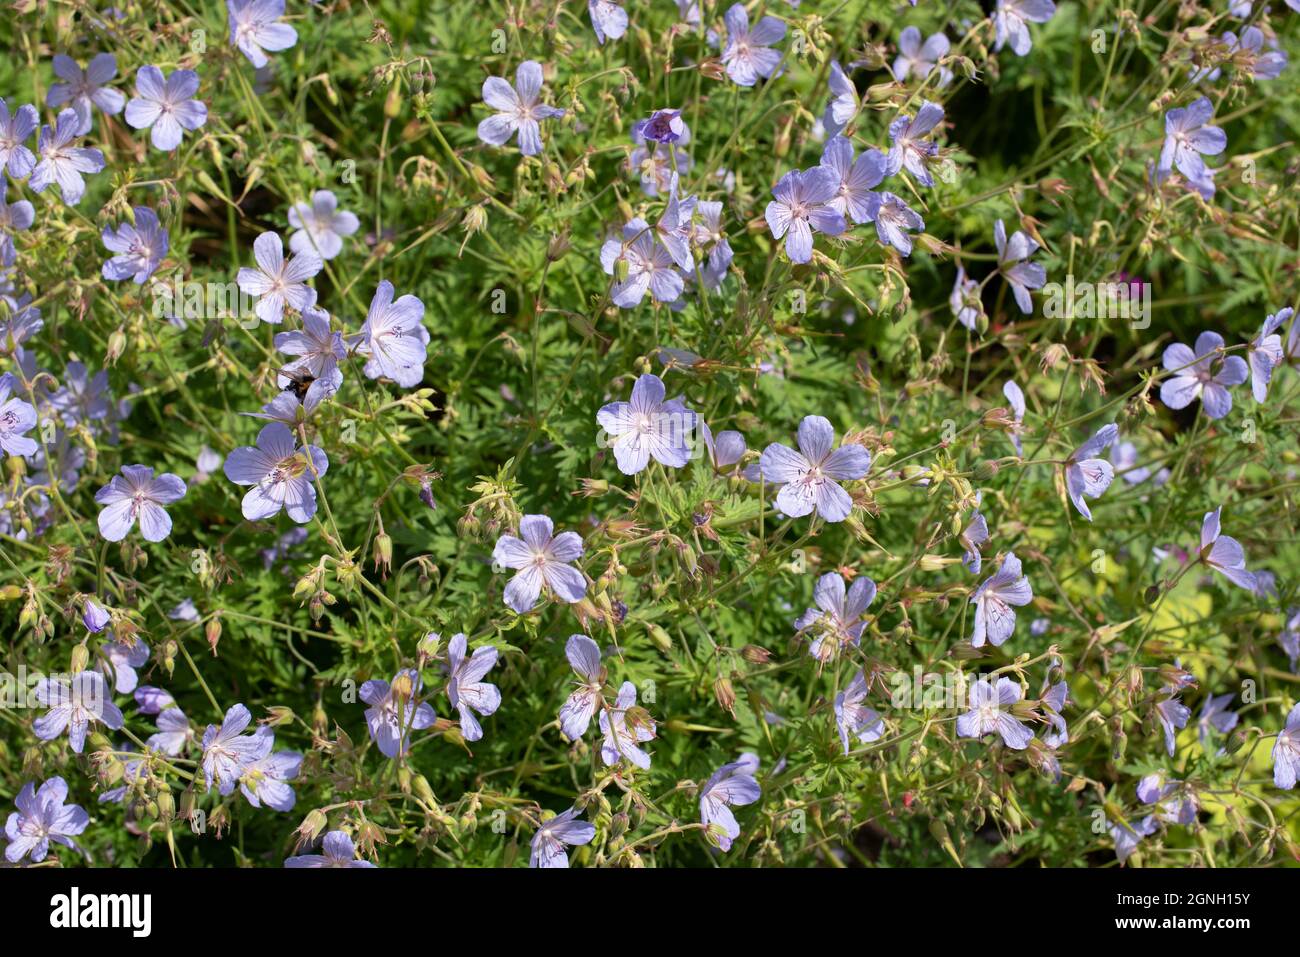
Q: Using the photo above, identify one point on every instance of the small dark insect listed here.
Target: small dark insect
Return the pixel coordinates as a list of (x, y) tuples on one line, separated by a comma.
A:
[(300, 381)]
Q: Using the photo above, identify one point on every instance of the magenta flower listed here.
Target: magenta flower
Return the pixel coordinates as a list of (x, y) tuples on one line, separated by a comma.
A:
[(137, 494), (810, 477), (542, 559)]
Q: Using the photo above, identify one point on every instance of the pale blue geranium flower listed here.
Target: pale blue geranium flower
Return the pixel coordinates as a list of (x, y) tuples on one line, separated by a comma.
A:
[(648, 426), (1187, 139), (137, 495), (61, 162), (576, 712), (810, 477), (542, 560), (748, 54), (394, 711), (608, 19), (254, 30), (16, 418), (857, 177), (732, 785), (393, 338), (281, 475), (1264, 354), (919, 59), (166, 106), (893, 219), (519, 109), (75, 704), (15, 130), (1020, 274), (625, 727), (318, 351), (139, 247), (995, 619), (466, 689), (1088, 475), (1171, 714), (1203, 371), (844, 101), (648, 263), (84, 88), (910, 149), (990, 713), (264, 780), (548, 845), (837, 619), (15, 217), (337, 850), (1215, 716), (1224, 553), (320, 225), (228, 752), (42, 816), (1286, 752), (853, 719), (277, 282), (802, 204), (1011, 23)]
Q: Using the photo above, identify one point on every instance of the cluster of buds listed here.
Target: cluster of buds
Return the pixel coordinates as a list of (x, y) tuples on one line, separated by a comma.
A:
[(311, 589)]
